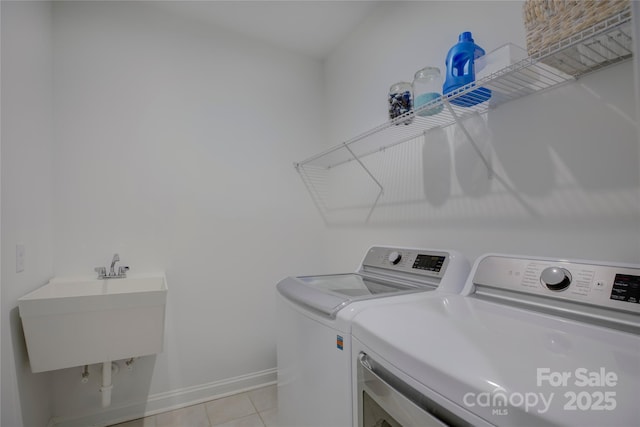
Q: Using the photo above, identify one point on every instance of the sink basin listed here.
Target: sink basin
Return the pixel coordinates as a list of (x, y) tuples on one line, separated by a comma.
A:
[(75, 322)]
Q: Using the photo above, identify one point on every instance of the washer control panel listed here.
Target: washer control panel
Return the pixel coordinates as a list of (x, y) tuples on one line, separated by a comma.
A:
[(605, 285), (414, 261)]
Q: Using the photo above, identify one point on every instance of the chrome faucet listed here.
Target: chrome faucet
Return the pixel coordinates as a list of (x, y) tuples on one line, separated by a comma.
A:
[(122, 270), (115, 259)]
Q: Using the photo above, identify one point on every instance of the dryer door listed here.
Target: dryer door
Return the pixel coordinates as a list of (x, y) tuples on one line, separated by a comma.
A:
[(389, 402)]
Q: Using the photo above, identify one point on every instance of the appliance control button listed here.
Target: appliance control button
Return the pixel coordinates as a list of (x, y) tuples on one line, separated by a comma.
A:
[(395, 257), (555, 278)]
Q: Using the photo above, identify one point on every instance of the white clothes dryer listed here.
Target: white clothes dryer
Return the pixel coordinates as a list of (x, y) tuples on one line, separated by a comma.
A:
[(314, 325), (529, 342)]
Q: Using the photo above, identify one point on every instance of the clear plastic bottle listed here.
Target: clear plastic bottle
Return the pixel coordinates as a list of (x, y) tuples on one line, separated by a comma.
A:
[(400, 101), (426, 87)]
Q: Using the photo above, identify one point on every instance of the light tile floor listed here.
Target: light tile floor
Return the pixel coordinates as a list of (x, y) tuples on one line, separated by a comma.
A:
[(256, 408)]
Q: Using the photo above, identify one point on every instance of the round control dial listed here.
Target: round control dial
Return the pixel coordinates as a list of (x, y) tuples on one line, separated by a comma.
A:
[(555, 278), (395, 257)]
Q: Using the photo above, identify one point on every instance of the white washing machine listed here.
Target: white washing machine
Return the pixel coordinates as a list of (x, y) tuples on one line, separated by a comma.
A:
[(528, 342), (314, 325)]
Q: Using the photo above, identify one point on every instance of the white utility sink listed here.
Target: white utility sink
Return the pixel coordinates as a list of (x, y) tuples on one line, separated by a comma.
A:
[(75, 322)]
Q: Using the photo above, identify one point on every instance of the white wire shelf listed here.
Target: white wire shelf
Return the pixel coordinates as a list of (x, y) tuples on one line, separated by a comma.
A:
[(604, 44)]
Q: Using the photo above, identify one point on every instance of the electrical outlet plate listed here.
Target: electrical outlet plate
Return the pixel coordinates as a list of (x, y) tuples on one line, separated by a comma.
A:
[(20, 258)]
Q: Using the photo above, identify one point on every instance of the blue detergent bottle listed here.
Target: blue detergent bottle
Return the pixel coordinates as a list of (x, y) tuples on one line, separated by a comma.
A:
[(461, 71)]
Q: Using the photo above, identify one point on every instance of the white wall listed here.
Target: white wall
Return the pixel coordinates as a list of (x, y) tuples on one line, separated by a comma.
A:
[(635, 10), (174, 144), (567, 179), (26, 197)]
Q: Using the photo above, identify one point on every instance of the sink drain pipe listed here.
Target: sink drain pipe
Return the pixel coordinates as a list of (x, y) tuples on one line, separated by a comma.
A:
[(106, 384)]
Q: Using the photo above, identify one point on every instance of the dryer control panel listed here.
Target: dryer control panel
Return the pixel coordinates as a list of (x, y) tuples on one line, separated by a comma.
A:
[(605, 285)]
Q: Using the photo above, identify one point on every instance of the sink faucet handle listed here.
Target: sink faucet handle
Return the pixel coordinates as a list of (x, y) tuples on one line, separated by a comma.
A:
[(102, 272), (122, 270)]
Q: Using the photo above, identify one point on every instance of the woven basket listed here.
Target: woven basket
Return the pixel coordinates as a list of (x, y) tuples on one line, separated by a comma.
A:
[(550, 21)]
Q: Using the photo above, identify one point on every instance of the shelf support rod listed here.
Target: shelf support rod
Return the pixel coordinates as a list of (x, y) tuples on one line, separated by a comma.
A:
[(313, 192), (470, 138), (371, 176)]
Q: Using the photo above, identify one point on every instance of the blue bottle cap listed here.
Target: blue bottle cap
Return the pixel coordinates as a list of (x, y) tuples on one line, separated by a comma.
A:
[(465, 37)]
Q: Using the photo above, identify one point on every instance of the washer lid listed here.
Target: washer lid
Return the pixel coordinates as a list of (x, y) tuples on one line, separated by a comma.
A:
[(328, 294), (510, 366)]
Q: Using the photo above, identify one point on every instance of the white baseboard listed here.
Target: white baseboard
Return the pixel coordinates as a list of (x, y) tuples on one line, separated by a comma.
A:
[(170, 400)]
